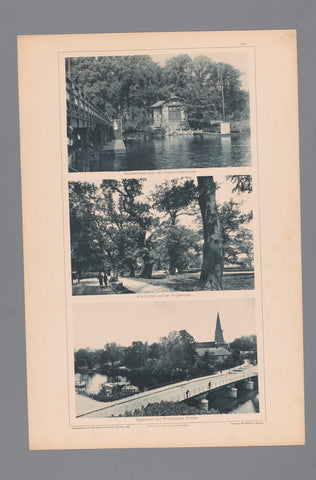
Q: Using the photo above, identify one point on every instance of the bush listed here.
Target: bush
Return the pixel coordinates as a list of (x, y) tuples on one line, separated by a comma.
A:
[(165, 409)]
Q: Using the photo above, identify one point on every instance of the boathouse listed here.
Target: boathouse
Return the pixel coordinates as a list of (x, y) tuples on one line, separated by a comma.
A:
[(168, 113)]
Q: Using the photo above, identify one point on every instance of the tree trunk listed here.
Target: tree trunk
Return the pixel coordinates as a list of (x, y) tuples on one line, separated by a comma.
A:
[(172, 267), (212, 266), (148, 262), (131, 269), (147, 270)]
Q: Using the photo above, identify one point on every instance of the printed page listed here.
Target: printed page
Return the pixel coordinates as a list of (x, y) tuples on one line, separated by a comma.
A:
[(161, 224)]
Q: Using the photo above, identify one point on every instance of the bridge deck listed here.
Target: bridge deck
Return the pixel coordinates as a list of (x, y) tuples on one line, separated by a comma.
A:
[(176, 392)]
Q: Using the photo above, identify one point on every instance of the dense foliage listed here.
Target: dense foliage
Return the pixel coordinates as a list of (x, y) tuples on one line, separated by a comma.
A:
[(246, 348), (173, 358), (116, 228), (126, 86), (166, 409)]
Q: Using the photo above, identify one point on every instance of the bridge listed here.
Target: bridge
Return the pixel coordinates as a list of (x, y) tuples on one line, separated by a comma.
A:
[(89, 130), (197, 388)]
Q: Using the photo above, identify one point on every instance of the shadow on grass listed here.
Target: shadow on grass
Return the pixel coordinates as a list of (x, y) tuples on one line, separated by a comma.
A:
[(187, 282)]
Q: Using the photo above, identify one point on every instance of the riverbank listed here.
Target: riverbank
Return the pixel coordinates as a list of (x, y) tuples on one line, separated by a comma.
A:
[(236, 128), (178, 392)]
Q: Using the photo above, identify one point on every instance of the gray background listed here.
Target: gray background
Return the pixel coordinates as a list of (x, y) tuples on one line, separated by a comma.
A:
[(94, 16)]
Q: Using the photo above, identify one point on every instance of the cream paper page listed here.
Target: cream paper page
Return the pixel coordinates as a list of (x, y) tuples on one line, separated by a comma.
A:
[(70, 309)]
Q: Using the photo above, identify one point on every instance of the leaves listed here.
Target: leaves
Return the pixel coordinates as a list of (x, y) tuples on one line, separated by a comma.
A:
[(126, 86), (115, 227)]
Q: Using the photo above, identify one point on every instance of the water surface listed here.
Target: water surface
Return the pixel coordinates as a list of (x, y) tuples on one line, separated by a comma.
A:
[(184, 151)]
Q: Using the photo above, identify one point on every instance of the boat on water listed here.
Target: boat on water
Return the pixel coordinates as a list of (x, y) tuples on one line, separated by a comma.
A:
[(80, 384)]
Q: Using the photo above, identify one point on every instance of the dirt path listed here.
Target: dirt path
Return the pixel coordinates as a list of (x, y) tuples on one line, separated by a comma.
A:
[(137, 286)]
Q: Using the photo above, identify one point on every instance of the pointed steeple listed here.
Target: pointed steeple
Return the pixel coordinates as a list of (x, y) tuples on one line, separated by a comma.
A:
[(218, 331)]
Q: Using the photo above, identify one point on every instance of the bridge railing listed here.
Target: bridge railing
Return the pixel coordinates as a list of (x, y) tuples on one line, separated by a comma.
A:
[(80, 109), (216, 383)]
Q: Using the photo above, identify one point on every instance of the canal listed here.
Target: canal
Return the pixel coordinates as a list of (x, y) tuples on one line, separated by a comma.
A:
[(182, 151), (246, 402)]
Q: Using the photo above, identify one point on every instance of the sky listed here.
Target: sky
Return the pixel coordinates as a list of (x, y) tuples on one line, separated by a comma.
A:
[(96, 324)]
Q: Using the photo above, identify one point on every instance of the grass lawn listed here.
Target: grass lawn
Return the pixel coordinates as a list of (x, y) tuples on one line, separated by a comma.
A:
[(186, 282), (91, 287)]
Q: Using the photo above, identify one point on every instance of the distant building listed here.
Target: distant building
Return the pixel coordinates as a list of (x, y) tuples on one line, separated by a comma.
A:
[(130, 389), (217, 350), (108, 388), (169, 113)]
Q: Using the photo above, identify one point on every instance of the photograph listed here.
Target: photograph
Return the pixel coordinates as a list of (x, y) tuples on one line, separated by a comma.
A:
[(162, 195), (191, 358), (153, 235), (158, 111)]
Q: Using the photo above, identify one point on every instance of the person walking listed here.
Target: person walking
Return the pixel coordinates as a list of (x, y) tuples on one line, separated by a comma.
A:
[(187, 393), (100, 278), (105, 279)]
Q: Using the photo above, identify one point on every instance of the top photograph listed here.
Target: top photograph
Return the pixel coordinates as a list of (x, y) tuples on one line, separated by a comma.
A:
[(157, 112)]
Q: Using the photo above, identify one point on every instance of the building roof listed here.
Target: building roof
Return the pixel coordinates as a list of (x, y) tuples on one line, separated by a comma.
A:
[(158, 104), (204, 344), (162, 102), (216, 351), (218, 331)]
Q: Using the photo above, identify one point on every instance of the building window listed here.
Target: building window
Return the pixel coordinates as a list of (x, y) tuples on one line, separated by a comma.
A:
[(174, 113)]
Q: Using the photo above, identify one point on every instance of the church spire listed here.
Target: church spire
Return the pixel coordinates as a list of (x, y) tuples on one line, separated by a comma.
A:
[(218, 331)]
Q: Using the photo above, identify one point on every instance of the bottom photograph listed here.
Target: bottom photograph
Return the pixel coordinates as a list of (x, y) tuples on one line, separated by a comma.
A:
[(165, 358)]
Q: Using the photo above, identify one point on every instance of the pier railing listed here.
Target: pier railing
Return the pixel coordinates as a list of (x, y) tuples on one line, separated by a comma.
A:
[(81, 112)]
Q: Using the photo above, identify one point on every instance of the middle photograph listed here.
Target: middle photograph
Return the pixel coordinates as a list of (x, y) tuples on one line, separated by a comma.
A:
[(156, 236)]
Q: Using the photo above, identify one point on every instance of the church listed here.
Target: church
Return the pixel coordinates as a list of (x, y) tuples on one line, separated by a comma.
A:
[(217, 350)]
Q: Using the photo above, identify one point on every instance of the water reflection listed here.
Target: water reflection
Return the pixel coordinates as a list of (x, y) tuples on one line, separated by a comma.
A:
[(94, 381), (179, 152), (246, 402)]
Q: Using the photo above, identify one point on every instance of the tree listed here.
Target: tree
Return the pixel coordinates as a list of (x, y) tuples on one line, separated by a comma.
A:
[(179, 350), (134, 221), (125, 86), (243, 183), (180, 247), (114, 227), (245, 348), (201, 108), (201, 94), (244, 244), (212, 266), (179, 244), (154, 351), (245, 343), (136, 354), (83, 359), (177, 73), (112, 353), (237, 240), (85, 250), (174, 197)]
